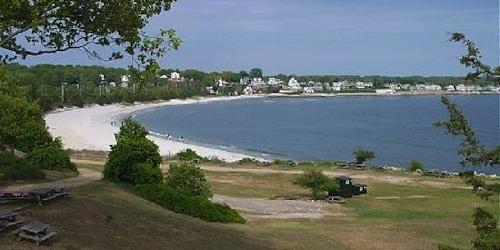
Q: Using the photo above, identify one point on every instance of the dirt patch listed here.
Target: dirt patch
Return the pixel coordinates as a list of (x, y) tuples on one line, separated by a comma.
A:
[(254, 208), (86, 176)]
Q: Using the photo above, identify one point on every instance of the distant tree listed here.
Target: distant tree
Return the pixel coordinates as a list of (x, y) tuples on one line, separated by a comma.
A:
[(316, 181), (256, 72), (362, 155), (32, 28), (473, 152), (188, 179), (244, 74), (416, 166), (134, 158)]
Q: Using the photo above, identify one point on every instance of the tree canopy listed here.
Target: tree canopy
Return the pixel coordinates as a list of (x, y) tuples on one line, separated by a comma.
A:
[(134, 158), (37, 27), (361, 155)]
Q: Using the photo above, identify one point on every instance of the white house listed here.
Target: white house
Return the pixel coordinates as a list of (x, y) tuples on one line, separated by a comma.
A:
[(274, 81), (308, 90), (163, 77), (221, 83), (336, 86), (460, 87), (248, 90), (395, 86), (432, 87), (245, 80), (257, 81), (359, 85), (175, 76), (293, 83), (450, 88), (124, 81)]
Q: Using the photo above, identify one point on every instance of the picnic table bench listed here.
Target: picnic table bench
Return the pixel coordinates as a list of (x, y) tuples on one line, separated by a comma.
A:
[(36, 231), (8, 218), (47, 194)]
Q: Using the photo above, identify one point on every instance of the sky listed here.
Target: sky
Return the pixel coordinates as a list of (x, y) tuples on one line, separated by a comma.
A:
[(360, 37)]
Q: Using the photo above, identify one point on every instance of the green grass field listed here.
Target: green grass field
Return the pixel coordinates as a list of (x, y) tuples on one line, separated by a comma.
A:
[(401, 211)]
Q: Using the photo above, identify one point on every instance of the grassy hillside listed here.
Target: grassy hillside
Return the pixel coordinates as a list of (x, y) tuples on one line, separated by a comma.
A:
[(103, 216)]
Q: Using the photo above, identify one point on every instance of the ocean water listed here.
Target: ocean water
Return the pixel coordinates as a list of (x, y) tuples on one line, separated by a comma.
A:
[(398, 128)]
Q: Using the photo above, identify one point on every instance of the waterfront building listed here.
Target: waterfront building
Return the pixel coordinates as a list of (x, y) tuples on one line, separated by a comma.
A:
[(124, 80), (248, 90), (163, 77), (450, 88), (221, 83), (257, 81), (274, 81), (245, 81), (175, 76), (460, 87)]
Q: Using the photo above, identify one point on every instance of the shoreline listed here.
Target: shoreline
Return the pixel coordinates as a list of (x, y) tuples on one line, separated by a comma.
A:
[(91, 127)]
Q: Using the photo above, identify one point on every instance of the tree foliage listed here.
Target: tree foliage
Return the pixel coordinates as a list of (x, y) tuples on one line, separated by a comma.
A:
[(188, 179), (316, 181), (416, 166), (37, 27), (255, 72), (134, 158), (21, 124), (361, 155), (51, 157), (471, 149)]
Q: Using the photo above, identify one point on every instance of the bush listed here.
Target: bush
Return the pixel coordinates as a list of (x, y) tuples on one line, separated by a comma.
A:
[(13, 168), (51, 157), (416, 166), (188, 155), (188, 179), (248, 161), (146, 173), (134, 158), (316, 181), (196, 206), (363, 155)]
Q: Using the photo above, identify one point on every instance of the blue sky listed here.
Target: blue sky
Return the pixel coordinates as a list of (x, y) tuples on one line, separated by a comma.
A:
[(398, 37)]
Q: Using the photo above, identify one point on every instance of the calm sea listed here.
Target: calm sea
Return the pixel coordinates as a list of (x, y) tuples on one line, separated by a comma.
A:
[(398, 128)]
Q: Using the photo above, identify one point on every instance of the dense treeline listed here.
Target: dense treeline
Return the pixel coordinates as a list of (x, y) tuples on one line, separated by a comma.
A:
[(84, 84)]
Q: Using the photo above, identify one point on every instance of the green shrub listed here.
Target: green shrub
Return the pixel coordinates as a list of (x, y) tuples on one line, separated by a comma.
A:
[(196, 206), (316, 181), (279, 162), (13, 168), (188, 179), (416, 166), (189, 155), (134, 157), (248, 160), (51, 157), (146, 173)]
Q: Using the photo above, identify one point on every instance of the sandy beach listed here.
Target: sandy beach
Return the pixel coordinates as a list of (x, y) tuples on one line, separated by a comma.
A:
[(90, 127)]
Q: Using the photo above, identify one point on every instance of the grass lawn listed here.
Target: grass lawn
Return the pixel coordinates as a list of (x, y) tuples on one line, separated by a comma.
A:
[(390, 216), (400, 211)]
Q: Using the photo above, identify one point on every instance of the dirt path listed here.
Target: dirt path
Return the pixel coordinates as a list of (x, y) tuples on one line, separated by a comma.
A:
[(254, 208), (86, 176)]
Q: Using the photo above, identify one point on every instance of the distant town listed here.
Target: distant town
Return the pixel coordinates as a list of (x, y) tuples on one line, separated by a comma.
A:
[(266, 85)]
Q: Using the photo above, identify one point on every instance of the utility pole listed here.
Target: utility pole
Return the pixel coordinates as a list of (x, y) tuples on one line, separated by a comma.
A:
[(62, 91)]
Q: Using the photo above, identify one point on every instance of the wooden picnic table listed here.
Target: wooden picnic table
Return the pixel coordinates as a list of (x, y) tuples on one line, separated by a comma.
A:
[(35, 231), (8, 218), (7, 215), (46, 194)]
